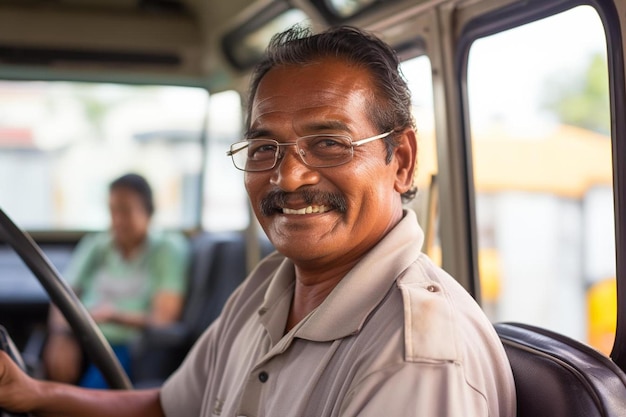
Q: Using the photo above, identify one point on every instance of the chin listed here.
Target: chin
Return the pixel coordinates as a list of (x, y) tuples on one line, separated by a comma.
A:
[(302, 251)]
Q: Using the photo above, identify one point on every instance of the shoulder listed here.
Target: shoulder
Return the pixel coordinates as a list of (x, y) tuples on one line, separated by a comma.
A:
[(441, 319), (89, 255), (95, 242), (248, 297), (444, 324), (258, 280)]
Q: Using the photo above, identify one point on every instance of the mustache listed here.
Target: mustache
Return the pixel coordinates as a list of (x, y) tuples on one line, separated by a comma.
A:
[(275, 200)]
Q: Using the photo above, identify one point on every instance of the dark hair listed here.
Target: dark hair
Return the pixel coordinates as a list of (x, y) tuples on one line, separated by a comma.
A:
[(298, 46), (137, 184)]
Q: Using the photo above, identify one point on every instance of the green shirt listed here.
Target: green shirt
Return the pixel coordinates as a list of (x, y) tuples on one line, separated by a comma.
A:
[(101, 276)]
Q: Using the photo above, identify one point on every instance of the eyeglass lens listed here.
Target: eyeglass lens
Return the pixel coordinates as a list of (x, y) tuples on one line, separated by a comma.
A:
[(315, 151)]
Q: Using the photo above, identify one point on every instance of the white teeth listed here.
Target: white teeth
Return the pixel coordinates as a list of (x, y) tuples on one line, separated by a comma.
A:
[(307, 210)]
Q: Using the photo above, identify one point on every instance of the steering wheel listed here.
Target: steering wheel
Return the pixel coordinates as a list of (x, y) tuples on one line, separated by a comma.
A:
[(85, 329)]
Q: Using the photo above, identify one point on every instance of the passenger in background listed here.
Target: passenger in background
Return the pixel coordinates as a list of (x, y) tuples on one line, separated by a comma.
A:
[(127, 278)]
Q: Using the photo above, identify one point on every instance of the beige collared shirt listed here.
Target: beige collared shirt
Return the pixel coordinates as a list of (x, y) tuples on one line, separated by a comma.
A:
[(396, 337)]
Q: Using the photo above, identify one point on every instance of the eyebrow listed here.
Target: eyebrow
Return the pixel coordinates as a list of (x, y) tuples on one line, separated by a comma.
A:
[(256, 133), (327, 125)]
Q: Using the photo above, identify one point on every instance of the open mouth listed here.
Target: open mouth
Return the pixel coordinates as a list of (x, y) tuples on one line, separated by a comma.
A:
[(314, 202), (307, 210)]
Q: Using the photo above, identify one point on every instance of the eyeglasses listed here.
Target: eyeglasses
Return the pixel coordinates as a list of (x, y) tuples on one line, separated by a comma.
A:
[(317, 151)]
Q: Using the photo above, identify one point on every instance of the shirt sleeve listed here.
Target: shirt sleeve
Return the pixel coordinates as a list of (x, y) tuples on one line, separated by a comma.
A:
[(416, 389), (170, 263), (183, 392), (85, 260)]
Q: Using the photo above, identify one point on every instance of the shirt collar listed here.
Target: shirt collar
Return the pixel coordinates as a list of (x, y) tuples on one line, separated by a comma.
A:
[(275, 309), (347, 307)]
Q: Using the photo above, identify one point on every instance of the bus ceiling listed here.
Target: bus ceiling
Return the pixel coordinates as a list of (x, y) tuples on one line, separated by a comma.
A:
[(183, 42), (134, 41), (204, 43)]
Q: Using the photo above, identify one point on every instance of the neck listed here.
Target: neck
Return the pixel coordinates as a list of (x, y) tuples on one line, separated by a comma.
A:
[(316, 279), (311, 289), (130, 249)]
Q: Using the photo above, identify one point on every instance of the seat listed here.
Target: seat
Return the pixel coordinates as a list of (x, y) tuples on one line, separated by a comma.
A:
[(218, 266), (556, 376)]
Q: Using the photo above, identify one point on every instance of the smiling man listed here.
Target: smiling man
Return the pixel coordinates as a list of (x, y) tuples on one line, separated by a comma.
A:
[(347, 318)]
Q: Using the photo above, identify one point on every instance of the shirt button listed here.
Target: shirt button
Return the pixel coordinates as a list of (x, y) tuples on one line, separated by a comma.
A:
[(263, 376)]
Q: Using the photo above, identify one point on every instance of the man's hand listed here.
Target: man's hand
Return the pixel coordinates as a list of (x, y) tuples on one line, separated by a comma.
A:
[(17, 390), (20, 393)]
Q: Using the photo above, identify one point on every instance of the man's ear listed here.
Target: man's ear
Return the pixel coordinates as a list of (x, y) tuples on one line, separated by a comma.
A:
[(406, 156)]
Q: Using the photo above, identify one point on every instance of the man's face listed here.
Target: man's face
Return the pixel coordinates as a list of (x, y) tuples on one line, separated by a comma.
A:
[(129, 218), (329, 96)]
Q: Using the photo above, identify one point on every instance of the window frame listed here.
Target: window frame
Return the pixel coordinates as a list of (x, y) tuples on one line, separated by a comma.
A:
[(479, 24)]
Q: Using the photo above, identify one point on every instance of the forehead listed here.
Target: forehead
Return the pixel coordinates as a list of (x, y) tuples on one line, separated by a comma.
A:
[(324, 90), (124, 194)]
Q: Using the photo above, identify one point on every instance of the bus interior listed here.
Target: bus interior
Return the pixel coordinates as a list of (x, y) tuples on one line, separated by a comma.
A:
[(522, 159)]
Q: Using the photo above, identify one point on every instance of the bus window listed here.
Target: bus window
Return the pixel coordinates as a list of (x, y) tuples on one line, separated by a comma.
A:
[(225, 198), (418, 74), (541, 147), (62, 143)]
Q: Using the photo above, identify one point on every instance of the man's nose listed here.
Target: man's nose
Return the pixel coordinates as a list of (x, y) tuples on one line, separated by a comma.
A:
[(290, 172)]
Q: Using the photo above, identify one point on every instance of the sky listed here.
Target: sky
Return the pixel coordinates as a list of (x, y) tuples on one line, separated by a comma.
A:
[(508, 72)]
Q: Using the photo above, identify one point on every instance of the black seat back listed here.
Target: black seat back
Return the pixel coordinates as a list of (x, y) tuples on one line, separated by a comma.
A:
[(556, 376), (218, 267)]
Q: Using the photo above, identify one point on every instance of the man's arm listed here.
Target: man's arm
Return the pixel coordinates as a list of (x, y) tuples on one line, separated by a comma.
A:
[(21, 393)]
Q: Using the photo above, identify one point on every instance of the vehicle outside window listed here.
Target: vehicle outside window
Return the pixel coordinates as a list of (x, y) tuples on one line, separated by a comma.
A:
[(541, 148)]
